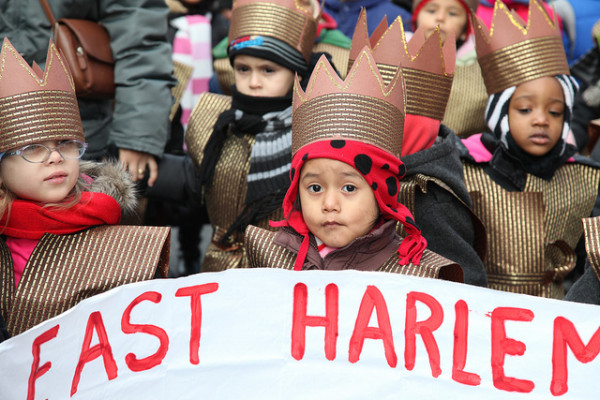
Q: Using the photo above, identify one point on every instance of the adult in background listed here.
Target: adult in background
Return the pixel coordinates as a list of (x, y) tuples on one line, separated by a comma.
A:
[(136, 125), (346, 12)]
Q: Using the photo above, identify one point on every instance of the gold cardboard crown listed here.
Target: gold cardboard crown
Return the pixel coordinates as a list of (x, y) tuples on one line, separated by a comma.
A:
[(291, 21), (511, 52), (427, 65), (362, 107), (36, 106)]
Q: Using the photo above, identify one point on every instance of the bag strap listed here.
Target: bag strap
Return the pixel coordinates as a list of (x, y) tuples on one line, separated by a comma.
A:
[(48, 12)]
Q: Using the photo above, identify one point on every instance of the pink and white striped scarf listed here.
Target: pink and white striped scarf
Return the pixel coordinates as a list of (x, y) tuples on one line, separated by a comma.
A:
[(192, 46)]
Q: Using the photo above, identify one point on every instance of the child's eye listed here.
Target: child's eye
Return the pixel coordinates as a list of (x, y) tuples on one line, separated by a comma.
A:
[(523, 110), (556, 113), (349, 188), (241, 68), (269, 70), (314, 188)]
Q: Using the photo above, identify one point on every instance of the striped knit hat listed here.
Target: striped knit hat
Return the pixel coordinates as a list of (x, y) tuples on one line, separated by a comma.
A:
[(282, 31), (496, 112)]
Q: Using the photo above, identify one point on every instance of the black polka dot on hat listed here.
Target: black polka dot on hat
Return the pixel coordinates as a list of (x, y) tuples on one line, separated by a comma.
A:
[(292, 173), (363, 163), (385, 166), (401, 170), (392, 185), (374, 185), (411, 221), (305, 157), (338, 144)]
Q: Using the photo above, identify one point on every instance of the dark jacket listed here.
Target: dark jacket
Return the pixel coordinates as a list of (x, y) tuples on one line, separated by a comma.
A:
[(442, 206), (143, 66), (346, 13), (586, 289)]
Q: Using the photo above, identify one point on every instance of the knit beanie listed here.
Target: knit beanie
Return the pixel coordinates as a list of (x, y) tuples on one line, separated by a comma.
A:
[(282, 31)]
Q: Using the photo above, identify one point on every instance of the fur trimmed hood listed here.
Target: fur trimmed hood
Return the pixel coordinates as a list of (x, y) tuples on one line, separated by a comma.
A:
[(111, 179)]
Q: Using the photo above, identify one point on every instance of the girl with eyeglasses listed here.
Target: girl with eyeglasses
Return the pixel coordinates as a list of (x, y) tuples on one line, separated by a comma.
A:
[(59, 241)]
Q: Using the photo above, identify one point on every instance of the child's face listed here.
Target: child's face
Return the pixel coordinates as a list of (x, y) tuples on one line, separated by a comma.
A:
[(260, 77), (535, 115), (450, 15), (337, 203), (48, 182)]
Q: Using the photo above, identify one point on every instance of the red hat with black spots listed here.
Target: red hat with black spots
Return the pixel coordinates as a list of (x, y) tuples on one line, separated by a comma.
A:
[(359, 122)]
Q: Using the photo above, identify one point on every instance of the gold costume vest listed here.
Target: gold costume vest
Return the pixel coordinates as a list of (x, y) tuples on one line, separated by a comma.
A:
[(226, 197), (532, 234), (591, 227), (465, 109), (65, 269), (263, 253)]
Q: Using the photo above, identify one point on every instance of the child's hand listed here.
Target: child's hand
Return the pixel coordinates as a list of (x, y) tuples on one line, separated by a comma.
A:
[(136, 162)]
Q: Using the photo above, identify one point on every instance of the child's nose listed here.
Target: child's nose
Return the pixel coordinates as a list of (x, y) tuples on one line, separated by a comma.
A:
[(55, 156), (540, 118), (255, 80), (331, 201)]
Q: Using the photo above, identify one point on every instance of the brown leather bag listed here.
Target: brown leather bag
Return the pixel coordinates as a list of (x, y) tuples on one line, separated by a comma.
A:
[(86, 49)]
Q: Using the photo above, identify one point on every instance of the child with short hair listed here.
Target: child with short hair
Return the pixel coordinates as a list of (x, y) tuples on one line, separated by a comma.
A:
[(57, 245), (241, 145), (527, 186), (342, 207)]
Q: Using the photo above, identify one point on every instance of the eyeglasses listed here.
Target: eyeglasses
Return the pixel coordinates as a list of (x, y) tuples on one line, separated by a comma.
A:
[(38, 153)]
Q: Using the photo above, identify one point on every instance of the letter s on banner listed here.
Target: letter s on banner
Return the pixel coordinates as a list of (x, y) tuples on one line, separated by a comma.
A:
[(127, 327)]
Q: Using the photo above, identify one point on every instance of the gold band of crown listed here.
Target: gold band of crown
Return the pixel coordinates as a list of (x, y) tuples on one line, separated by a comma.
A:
[(38, 116), (276, 21), (523, 61), (350, 116), (426, 93)]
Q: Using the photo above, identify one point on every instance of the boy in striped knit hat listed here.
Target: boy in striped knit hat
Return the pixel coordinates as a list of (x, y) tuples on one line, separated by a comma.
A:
[(240, 146), (528, 188)]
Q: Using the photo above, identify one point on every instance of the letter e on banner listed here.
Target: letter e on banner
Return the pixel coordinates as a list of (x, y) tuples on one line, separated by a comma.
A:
[(501, 346), (127, 327), (300, 320)]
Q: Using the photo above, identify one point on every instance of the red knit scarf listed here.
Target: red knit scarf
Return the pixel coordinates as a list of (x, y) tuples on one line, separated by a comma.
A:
[(30, 220), (381, 170)]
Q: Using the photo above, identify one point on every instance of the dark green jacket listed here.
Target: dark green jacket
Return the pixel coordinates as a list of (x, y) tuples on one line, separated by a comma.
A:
[(143, 66)]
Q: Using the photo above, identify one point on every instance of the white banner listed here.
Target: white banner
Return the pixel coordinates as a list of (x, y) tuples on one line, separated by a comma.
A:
[(274, 334)]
